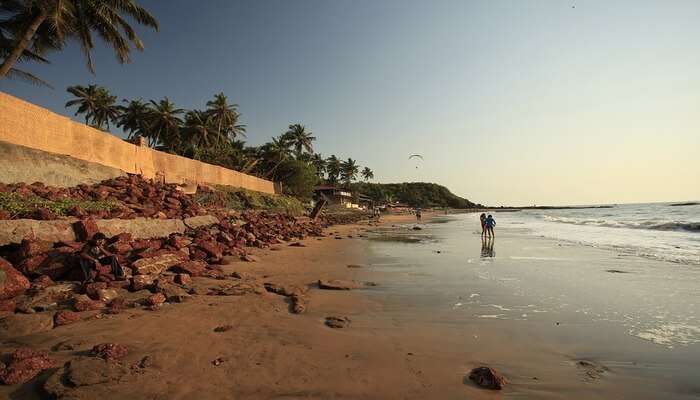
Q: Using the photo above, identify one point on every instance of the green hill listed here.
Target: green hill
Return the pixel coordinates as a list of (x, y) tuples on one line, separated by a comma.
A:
[(415, 194)]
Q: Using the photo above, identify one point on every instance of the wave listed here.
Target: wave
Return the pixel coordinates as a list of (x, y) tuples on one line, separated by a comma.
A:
[(649, 224)]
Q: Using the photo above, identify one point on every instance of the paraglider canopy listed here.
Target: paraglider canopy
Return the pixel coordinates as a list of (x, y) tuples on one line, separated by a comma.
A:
[(415, 157)]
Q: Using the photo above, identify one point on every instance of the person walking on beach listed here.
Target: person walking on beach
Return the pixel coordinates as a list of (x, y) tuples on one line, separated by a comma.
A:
[(490, 223), (418, 215), (482, 218)]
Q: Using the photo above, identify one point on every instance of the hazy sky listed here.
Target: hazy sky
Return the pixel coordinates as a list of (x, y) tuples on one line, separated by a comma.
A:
[(510, 102)]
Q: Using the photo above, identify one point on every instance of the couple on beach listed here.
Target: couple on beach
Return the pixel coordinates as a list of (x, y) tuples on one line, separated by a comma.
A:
[(487, 224)]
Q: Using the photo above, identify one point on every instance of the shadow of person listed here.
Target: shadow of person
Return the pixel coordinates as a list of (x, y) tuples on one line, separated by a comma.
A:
[(487, 250)]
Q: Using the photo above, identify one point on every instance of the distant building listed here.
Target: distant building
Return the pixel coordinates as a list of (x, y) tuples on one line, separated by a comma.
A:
[(333, 194)]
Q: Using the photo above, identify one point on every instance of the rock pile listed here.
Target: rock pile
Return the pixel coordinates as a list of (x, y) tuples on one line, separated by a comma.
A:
[(128, 196), (37, 276)]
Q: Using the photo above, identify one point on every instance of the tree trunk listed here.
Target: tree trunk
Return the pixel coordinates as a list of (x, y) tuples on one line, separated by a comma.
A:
[(22, 44)]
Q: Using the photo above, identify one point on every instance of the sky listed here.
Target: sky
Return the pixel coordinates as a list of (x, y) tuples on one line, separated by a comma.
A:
[(509, 102)]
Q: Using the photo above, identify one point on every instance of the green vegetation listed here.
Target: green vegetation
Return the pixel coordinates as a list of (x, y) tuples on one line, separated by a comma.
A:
[(15, 204), (298, 178), (215, 135), (32, 28), (241, 199), (415, 194)]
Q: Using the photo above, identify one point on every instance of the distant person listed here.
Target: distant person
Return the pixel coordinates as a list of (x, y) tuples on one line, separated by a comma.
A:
[(94, 254), (482, 218), (418, 214), (490, 223)]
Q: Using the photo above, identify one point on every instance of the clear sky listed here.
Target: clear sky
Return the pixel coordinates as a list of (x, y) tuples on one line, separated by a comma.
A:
[(510, 102)]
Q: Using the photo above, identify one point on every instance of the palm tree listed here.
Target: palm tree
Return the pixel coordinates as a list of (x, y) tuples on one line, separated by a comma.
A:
[(57, 21), (367, 174), (199, 132), (7, 41), (319, 163), (106, 109), (300, 139), (224, 117), (333, 168), (348, 171), (275, 153), (164, 124), (86, 99), (15, 21), (96, 103), (133, 117)]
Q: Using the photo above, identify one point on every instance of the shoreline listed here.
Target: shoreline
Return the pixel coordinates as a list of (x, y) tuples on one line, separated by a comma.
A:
[(391, 349)]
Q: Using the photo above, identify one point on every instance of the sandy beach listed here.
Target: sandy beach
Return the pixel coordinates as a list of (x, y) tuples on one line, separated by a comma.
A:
[(398, 343)]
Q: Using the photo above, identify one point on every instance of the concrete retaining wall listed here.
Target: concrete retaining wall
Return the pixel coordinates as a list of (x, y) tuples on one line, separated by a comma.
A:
[(28, 125), (14, 230), (22, 164)]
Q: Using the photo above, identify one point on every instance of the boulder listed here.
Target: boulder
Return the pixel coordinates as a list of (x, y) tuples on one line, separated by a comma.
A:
[(487, 378), (140, 282), (172, 293), (337, 284), (17, 325), (110, 351), (12, 282), (107, 295), (337, 322), (91, 289), (200, 221), (156, 265), (155, 300), (193, 268), (25, 364), (83, 303), (65, 317), (85, 229), (81, 372)]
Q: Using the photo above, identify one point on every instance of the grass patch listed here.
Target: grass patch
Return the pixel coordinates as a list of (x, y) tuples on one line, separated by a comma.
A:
[(242, 199), (15, 204)]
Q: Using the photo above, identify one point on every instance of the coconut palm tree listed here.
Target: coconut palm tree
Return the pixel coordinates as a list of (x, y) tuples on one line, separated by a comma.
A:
[(199, 132), (106, 109), (300, 139), (348, 171), (319, 163), (224, 117), (6, 44), (133, 118), (58, 21), (275, 153), (86, 99), (333, 168), (164, 124), (96, 103), (15, 21), (367, 174)]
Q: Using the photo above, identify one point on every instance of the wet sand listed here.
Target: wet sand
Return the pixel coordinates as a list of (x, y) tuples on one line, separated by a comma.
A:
[(393, 348)]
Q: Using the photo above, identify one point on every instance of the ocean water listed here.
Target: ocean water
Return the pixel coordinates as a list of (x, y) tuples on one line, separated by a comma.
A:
[(621, 284), (657, 230)]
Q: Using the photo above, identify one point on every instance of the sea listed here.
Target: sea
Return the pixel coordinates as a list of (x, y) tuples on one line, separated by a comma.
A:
[(663, 231), (619, 284)]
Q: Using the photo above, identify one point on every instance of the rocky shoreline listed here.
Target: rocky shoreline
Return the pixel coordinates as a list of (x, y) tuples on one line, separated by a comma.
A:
[(42, 285)]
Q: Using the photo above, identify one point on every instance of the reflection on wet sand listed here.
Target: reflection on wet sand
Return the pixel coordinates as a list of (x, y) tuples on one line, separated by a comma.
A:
[(487, 250)]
